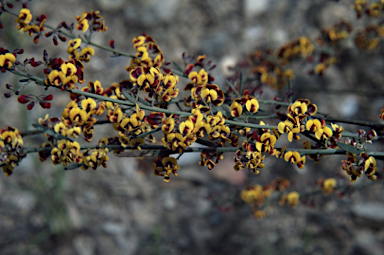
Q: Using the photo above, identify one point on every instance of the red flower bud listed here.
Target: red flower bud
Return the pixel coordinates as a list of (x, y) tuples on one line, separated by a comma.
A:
[(55, 42), (10, 5), (8, 95), (189, 69), (36, 39), (62, 38), (34, 63), (45, 105), (30, 105), (23, 99), (277, 98), (48, 34), (74, 96), (112, 44), (48, 97)]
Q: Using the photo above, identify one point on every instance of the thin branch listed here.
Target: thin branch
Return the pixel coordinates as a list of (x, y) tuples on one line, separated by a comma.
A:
[(349, 187), (356, 122)]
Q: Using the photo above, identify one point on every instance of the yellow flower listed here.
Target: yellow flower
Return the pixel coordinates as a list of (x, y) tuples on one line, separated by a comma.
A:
[(7, 60), (73, 44), (252, 105), (293, 198), (86, 53), (259, 214), (328, 185), (25, 16)]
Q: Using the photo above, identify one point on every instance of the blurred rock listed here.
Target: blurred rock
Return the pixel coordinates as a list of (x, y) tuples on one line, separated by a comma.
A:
[(111, 5), (255, 7), (25, 201), (370, 213), (84, 245), (366, 243), (114, 228), (169, 200)]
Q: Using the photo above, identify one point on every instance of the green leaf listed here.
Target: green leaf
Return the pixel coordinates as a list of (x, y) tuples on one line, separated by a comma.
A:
[(178, 67), (72, 166), (349, 148), (133, 100), (241, 83)]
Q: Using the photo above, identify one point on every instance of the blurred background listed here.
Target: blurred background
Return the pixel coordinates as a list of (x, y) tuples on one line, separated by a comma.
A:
[(124, 209)]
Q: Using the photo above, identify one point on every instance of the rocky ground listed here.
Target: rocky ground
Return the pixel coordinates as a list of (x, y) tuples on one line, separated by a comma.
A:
[(124, 209)]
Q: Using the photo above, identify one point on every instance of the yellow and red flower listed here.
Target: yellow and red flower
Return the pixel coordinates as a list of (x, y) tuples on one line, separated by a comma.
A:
[(7, 60), (165, 166)]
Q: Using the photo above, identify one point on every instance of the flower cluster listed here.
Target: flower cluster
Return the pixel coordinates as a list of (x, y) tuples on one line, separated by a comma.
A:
[(96, 158), (247, 102), (219, 118), (64, 74), (255, 196), (83, 55), (66, 152), (299, 48), (92, 20), (10, 149), (148, 53), (33, 27), (203, 93), (335, 35), (355, 166), (77, 118), (267, 69), (258, 142), (369, 38), (145, 73), (295, 119), (165, 166), (372, 10)]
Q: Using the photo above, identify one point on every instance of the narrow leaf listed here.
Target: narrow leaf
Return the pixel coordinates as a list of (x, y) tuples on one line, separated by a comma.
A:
[(178, 67), (72, 166), (349, 148)]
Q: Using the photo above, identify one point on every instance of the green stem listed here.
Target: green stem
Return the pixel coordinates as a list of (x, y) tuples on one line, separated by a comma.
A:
[(233, 88), (355, 122), (210, 149)]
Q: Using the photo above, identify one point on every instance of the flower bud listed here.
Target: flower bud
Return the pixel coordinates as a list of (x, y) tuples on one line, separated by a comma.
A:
[(30, 105), (23, 99)]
